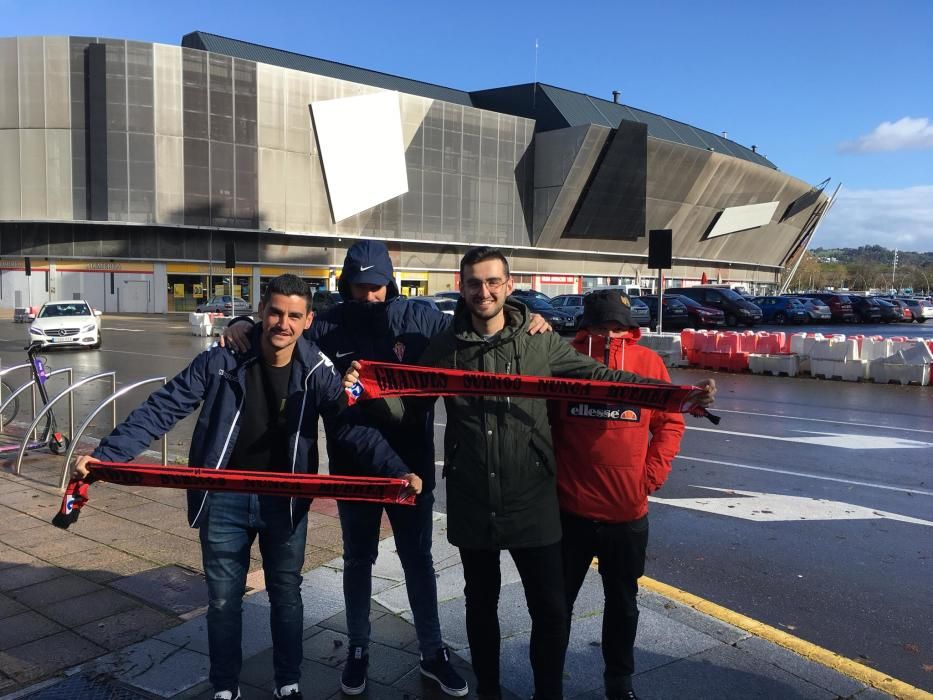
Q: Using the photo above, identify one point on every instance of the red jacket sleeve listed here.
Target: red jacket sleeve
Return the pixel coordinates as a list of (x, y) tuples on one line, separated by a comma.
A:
[(667, 429)]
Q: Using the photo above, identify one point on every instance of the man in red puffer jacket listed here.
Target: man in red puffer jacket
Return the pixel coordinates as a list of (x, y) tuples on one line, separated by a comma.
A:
[(609, 458)]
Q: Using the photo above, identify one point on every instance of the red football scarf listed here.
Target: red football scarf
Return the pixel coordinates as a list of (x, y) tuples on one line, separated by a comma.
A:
[(345, 488), (381, 379)]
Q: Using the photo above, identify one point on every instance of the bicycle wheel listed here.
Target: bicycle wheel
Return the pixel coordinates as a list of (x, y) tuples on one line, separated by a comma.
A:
[(12, 406)]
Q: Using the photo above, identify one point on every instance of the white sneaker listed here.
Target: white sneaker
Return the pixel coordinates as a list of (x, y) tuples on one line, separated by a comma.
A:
[(288, 691), (227, 695)]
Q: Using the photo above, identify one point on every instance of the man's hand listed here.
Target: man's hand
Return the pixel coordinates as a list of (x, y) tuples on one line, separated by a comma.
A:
[(414, 483), (537, 324), (705, 396), (81, 470), (352, 376), (237, 335)]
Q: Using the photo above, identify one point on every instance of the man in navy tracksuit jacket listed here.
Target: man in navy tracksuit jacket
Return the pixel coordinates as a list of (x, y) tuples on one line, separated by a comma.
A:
[(259, 410), (376, 323)]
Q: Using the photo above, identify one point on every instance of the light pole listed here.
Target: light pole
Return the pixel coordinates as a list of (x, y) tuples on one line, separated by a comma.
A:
[(894, 272)]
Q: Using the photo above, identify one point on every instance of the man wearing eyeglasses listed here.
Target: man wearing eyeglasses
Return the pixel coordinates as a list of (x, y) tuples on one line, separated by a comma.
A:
[(377, 323), (500, 468)]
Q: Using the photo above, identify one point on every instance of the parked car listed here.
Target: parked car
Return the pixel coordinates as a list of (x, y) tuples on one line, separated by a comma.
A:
[(906, 314), (890, 313), (735, 308), (701, 316), (533, 293), (66, 323), (919, 308), (225, 304), (641, 314), (674, 313), (840, 306), (571, 304), (442, 304), (781, 310), (448, 295), (817, 310), (865, 308), (559, 320), (323, 299)]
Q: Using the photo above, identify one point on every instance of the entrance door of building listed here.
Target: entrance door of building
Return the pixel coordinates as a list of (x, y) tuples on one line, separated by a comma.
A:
[(133, 297), (414, 288)]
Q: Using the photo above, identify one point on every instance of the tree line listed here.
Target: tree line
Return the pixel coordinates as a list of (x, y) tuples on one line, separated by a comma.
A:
[(863, 269)]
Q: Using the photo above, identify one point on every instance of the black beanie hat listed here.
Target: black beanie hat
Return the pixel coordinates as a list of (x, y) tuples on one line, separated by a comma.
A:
[(606, 305)]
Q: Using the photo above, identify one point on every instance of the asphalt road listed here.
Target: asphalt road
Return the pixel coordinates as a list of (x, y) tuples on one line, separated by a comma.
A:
[(849, 571)]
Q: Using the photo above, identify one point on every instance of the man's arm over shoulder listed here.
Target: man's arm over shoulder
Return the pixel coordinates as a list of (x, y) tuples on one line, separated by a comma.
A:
[(667, 430), (159, 413), (565, 361)]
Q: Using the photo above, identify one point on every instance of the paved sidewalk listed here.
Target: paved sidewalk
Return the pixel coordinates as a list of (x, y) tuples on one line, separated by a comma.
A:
[(114, 608)]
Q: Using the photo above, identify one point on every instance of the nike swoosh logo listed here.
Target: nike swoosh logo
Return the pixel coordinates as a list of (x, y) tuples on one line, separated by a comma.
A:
[(368, 267), (343, 354)]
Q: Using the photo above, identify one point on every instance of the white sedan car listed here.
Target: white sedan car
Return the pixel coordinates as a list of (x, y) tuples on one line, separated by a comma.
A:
[(66, 323)]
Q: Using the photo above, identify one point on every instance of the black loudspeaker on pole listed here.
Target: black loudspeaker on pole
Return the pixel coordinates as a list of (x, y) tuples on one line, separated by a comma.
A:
[(28, 267), (231, 255), (659, 249)]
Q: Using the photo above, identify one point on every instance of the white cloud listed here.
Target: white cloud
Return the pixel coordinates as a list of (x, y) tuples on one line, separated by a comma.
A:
[(892, 218), (907, 134)]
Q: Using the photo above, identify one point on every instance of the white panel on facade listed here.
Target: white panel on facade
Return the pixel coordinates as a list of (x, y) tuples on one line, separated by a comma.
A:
[(362, 151), (270, 106), (9, 84), (742, 218), (57, 83), (32, 173), (170, 179), (167, 106), (10, 203), (58, 174)]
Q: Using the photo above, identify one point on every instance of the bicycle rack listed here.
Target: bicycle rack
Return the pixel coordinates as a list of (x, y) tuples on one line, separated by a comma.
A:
[(71, 402), (6, 371), (48, 407), (87, 421)]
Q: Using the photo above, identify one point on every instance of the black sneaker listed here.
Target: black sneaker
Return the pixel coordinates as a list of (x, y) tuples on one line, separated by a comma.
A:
[(288, 691), (626, 695), (439, 669), (353, 680)]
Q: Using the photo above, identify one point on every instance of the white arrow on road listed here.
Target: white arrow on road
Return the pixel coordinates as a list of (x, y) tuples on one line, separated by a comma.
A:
[(774, 507), (846, 441)]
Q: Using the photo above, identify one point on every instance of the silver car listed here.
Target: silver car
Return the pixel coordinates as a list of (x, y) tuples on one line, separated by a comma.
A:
[(817, 310)]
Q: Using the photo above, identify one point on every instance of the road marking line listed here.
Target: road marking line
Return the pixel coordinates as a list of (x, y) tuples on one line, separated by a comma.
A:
[(787, 472), (823, 420), (808, 650), (847, 441), (775, 507)]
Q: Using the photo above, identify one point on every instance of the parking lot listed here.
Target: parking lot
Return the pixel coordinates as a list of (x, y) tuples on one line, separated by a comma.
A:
[(808, 508)]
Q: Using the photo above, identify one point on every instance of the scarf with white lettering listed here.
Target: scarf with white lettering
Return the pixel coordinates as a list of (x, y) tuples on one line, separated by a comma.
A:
[(382, 379)]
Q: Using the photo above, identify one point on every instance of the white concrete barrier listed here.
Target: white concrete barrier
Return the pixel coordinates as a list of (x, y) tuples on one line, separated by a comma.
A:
[(774, 364)]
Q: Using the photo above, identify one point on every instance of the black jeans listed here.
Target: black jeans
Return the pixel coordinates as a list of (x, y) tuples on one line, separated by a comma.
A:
[(541, 572), (621, 551)]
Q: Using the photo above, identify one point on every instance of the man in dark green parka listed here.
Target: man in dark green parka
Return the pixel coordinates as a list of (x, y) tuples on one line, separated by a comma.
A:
[(499, 467)]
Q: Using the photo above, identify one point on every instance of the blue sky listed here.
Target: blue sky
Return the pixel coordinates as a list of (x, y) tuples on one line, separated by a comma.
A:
[(839, 90)]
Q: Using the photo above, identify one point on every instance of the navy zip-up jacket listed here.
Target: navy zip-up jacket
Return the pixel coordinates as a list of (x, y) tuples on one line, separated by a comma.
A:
[(215, 380), (395, 331)]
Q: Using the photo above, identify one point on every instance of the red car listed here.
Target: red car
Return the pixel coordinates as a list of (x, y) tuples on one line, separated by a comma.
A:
[(701, 316)]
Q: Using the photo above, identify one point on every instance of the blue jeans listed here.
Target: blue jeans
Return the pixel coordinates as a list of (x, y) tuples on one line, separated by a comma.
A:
[(412, 527), (233, 522)]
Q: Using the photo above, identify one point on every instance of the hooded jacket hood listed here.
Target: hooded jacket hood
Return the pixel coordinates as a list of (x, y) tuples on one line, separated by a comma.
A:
[(367, 262)]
